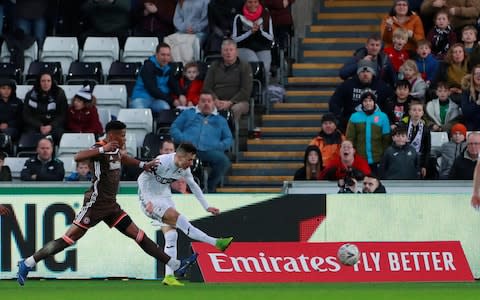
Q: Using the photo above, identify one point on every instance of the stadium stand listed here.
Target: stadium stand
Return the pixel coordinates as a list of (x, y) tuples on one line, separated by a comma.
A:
[(62, 49), (30, 54), (112, 96), (101, 49), (138, 49), (71, 143), (138, 120)]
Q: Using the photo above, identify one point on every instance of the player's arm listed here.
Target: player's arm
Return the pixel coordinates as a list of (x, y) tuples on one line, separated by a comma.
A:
[(476, 186), (96, 151), (197, 191), (146, 166)]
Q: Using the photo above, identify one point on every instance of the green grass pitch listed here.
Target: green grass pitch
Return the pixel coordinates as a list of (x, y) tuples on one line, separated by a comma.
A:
[(152, 289)]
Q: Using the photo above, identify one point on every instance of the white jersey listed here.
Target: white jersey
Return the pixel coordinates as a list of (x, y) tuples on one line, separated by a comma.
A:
[(155, 185)]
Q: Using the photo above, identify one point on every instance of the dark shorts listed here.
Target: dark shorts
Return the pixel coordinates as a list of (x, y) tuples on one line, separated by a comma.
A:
[(90, 215)]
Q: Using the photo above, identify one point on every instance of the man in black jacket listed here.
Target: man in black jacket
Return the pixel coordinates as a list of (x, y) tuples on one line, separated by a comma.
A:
[(43, 167), (464, 164)]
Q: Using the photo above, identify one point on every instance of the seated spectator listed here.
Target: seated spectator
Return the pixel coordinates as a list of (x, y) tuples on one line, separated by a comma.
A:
[(348, 162), (180, 186), (442, 111), (427, 64), (396, 107), (328, 139), (5, 173), (312, 165), (209, 133), (410, 72), (401, 16), (107, 18), (43, 166), (231, 80), (418, 134), (397, 52), (154, 18), (441, 36), (463, 166), (190, 85), (369, 130), (45, 108), (11, 109), (452, 70), (82, 172), (400, 160), (371, 52), (82, 115), (470, 103), (253, 32), (220, 21), (346, 97), (156, 84), (373, 185), (191, 17), (451, 150)]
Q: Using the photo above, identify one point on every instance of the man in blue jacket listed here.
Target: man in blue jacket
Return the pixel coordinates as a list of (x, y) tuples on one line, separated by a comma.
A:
[(156, 84), (209, 133)]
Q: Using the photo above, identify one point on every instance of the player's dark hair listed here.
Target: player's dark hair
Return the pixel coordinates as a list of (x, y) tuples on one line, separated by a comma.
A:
[(186, 148), (115, 125)]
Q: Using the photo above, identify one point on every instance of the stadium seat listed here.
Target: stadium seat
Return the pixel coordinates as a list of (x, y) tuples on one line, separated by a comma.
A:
[(22, 90), (101, 49), (16, 165), (79, 72), (30, 54), (8, 70), (112, 96), (69, 164), (138, 121), (61, 49), (124, 73), (27, 144), (131, 143), (71, 143), (71, 90), (104, 115), (151, 145), (38, 67), (138, 49), (177, 69), (437, 139), (259, 81)]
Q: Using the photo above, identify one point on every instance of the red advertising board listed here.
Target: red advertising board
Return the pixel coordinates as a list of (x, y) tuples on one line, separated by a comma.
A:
[(317, 262)]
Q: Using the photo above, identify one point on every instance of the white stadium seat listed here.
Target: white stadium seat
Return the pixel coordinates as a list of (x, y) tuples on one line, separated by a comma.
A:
[(22, 90), (138, 121), (71, 143), (112, 96), (16, 165), (61, 49), (138, 49), (102, 49), (31, 54), (131, 143), (69, 164), (437, 139), (70, 90), (104, 115)]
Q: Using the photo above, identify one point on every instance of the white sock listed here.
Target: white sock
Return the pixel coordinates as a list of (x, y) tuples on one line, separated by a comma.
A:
[(30, 262), (193, 232), (173, 263), (170, 248)]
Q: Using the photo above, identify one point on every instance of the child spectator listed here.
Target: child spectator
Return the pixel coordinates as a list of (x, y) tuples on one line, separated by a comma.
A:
[(397, 106), (410, 72), (5, 173), (400, 160), (452, 149), (441, 36), (427, 64), (469, 38), (190, 85), (442, 111), (82, 172), (397, 52), (82, 115), (418, 134), (312, 165)]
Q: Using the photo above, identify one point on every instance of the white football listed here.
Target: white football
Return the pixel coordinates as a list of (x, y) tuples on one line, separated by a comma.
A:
[(348, 254)]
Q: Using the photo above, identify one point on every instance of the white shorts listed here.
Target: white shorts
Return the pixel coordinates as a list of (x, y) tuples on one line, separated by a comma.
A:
[(160, 206)]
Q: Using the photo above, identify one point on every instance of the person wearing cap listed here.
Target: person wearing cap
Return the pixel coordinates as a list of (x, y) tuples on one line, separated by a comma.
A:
[(369, 130), (346, 97), (449, 151), (372, 51), (45, 108), (10, 109), (400, 160), (464, 165), (328, 139), (82, 114)]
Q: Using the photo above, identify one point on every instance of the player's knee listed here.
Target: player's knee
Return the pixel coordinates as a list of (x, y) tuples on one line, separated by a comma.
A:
[(170, 217), (123, 224), (171, 236)]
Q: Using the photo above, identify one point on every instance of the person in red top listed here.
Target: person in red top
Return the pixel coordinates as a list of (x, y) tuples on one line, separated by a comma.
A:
[(190, 85), (397, 52), (82, 115), (348, 162)]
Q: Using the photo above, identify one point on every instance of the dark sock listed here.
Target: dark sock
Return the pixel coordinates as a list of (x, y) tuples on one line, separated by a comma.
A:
[(51, 248), (152, 249)]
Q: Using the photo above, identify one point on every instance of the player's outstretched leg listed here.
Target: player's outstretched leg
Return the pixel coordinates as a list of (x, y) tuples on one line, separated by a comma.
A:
[(194, 233)]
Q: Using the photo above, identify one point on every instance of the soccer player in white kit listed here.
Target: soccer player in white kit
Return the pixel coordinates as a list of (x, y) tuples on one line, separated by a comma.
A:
[(156, 202)]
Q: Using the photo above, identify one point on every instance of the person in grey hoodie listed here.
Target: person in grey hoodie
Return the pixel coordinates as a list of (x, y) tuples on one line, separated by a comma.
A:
[(451, 150)]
